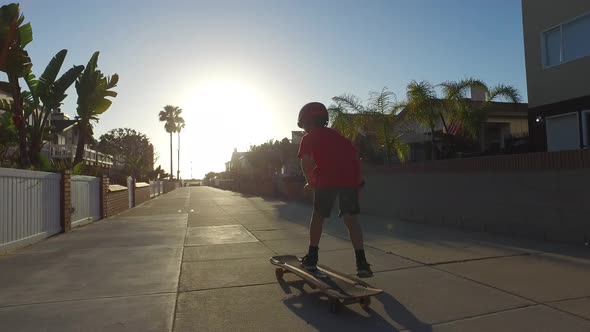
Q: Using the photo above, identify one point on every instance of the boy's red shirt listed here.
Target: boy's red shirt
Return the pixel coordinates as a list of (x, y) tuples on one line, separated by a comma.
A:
[(337, 164)]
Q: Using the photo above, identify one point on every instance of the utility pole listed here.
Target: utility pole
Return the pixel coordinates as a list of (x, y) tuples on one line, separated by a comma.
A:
[(191, 169)]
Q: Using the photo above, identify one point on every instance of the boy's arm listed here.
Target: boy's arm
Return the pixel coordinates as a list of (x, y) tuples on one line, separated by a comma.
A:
[(307, 166)]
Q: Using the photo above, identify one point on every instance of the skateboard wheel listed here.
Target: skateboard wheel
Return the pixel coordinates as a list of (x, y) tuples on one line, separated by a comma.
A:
[(279, 273), (365, 302)]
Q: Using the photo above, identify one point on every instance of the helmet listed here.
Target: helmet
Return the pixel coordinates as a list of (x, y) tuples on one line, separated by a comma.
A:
[(313, 112)]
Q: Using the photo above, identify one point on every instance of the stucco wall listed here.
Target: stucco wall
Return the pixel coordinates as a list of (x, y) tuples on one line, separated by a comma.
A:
[(561, 82), (541, 204)]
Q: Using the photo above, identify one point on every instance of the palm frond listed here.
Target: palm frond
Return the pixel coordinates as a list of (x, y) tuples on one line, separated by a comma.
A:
[(504, 92), (422, 102), (49, 75), (349, 102)]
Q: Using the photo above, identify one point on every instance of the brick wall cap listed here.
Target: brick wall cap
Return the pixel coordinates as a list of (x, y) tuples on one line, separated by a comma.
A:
[(116, 187)]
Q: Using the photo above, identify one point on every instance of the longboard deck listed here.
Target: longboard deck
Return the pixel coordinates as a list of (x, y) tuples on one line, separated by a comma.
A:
[(335, 284)]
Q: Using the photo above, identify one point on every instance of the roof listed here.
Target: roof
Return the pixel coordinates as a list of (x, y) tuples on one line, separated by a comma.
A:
[(63, 125)]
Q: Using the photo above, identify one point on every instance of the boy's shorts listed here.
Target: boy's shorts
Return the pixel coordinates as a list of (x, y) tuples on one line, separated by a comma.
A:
[(323, 200)]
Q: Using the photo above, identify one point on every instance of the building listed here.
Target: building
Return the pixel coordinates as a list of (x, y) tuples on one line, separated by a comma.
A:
[(505, 126), (557, 55), (505, 123), (63, 144)]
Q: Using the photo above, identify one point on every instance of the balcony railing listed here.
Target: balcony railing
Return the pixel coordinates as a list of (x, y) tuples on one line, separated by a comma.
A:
[(60, 151)]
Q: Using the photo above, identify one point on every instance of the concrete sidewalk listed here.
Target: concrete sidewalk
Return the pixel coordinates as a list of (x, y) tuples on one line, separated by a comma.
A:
[(196, 259)]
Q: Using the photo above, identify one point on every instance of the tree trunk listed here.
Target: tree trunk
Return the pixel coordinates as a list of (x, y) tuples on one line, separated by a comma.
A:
[(171, 156), (433, 144), (82, 125), (450, 136), (386, 145), (35, 153), (19, 121), (178, 159)]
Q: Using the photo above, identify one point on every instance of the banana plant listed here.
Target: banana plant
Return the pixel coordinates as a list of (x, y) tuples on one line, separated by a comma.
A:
[(93, 88), (45, 95), (16, 63)]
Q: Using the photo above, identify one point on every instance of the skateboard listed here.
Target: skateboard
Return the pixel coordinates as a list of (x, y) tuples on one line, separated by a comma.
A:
[(340, 288)]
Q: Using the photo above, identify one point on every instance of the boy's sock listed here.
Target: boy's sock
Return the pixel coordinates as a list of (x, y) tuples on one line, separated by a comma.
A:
[(310, 260), (360, 256), (313, 252)]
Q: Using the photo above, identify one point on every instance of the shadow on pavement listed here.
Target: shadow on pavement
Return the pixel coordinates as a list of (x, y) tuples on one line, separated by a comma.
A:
[(387, 228), (313, 308)]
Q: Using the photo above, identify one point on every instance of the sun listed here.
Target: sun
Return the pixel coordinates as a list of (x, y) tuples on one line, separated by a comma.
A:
[(223, 114)]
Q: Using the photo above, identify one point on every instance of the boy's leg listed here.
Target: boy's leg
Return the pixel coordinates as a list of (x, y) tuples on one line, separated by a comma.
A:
[(354, 231), (316, 226), (323, 199), (349, 209)]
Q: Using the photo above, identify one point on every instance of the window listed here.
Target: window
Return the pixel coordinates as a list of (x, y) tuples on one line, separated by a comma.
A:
[(576, 39), (553, 47), (567, 42)]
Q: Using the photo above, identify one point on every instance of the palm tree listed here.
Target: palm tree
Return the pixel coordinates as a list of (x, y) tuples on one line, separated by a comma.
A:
[(15, 62), (93, 88), (179, 127), (423, 106), (468, 113), (454, 104), (171, 116), (351, 116), (45, 95)]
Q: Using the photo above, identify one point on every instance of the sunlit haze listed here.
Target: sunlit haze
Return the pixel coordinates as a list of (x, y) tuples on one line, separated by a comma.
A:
[(240, 70)]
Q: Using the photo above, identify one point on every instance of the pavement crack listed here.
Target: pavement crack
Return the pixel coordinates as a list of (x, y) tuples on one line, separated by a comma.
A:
[(84, 299), (229, 287), (545, 304), (186, 204)]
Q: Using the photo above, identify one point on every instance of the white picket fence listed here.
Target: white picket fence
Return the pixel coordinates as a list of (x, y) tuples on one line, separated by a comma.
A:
[(85, 199), (29, 207), (156, 188)]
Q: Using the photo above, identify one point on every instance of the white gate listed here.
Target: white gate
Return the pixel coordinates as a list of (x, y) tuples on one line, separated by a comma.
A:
[(29, 207), (85, 199)]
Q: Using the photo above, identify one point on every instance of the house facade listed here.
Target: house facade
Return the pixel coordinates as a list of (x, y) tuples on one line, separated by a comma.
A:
[(64, 141), (557, 55), (505, 126)]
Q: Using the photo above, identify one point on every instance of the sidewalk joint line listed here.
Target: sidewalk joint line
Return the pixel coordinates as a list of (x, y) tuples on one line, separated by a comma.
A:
[(186, 205), (228, 287), (545, 304), (84, 299)]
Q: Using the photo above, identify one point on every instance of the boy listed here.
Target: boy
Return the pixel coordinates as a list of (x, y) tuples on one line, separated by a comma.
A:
[(336, 173)]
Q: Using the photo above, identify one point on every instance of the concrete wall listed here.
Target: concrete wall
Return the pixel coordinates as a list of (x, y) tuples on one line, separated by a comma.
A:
[(562, 82), (549, 205)]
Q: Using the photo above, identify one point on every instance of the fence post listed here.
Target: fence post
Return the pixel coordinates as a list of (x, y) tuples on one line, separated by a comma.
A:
[(66, 201), (131, 191), (104, 194)]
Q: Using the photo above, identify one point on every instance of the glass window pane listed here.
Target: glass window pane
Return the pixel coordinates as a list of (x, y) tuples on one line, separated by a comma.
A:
[(552, 47), (576, 39)]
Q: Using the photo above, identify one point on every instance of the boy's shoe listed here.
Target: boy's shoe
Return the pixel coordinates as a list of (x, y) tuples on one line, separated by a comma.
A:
[(363, 270), (309, 263)]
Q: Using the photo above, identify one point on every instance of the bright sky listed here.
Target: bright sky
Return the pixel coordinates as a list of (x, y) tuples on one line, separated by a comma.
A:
[(241, 70)]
